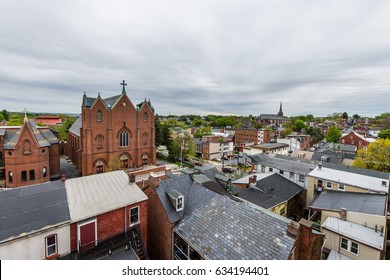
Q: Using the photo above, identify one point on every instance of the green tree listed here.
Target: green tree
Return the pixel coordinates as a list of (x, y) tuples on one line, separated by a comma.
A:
[(315, 133), (333, 135), (384, 134), (5, 114), (356, 117), (158, 131), (199, 132), (2, 118), (15, 120), (344, 115), (375, 157), (299, 125), (64, 128)]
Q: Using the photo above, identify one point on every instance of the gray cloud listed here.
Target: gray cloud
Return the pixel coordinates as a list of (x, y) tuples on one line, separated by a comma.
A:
[(198, 57)]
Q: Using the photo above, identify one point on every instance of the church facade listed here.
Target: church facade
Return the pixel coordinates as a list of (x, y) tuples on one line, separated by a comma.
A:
[(112, 133)]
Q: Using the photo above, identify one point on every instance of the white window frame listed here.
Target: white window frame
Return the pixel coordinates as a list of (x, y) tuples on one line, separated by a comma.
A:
[(179, 202), (342, 187), (349, 246), (327, 185), (292, 175), (138, 216), (301, 178), (55, 245)]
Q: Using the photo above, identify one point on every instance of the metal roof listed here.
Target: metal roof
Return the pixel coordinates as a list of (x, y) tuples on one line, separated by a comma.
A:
[(279, 186), (350, 178), (356, 170), (92, 195), (259, 198), (29, 209), (367, 203), (362, 234), (290, 165)]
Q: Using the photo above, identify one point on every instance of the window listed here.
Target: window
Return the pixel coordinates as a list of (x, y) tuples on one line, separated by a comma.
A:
[(99, 116), (263, 168), (292, 175), (344, 243), (99, 140), (281, 172), (134, 216), (51, 245), (124, 161), (329, 185), (341, 187), (145, 117), (26, 147), (124, 138), (349, 245), (354, 248), (270, 169), (283, 211), (145, 138), (24, 175), (10, 177), (301, 178), (384, 184), (32, 174), (44, 171), (179, 204), (2, 174)]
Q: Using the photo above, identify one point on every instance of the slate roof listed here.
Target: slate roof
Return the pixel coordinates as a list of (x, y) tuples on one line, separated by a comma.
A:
[(374, 204), (29, 209), (362, 234), (259, 198), (109, 102), (271, 117), (44, 136), (93, 195), (75, 128), (223, 229), (279, 186), (290, 165)]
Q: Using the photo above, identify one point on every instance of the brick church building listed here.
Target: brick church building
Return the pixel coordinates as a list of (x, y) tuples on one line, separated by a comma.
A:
[(29, 155), (112, 133)]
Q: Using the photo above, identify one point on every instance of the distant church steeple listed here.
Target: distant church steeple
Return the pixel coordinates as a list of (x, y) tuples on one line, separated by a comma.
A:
[(280, 113)]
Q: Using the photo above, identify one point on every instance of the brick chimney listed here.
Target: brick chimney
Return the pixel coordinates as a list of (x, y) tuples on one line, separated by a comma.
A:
[(343, 214), (131, 178), (293, 228), (252, 181), (153, 180)]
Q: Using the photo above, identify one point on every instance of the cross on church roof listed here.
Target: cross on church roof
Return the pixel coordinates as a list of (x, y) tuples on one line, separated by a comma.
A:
[(25, 114), (124, 84)]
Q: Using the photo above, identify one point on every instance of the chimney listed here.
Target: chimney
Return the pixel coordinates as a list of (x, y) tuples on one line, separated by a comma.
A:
[(293, 228), (63, 178), (153, 180), (252, 181), (131, 178), (343, 214)]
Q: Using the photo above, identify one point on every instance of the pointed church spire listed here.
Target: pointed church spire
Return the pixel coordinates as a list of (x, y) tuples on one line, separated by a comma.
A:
[(280, 113), (25, 115)]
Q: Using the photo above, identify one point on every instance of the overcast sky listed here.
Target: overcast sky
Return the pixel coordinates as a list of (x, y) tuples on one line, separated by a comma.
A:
[(198, 57)]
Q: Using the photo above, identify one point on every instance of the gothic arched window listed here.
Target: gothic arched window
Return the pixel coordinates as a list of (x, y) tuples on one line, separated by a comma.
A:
[(145, 117), (124, 138), (99, 116)]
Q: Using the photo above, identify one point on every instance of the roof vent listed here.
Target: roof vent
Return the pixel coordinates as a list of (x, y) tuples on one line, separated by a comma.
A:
[(177, 199)]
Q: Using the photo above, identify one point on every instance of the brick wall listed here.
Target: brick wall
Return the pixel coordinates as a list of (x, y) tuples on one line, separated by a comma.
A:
[(159, 228)]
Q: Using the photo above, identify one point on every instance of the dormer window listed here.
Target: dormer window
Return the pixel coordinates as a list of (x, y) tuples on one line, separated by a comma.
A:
[(177, 199), (384, 184)]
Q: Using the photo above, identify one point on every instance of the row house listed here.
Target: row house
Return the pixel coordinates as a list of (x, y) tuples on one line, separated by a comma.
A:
[(81, 218), (29, 154), (303, 139), (354, 223), (294, 169), (193, 221), (214, 147)]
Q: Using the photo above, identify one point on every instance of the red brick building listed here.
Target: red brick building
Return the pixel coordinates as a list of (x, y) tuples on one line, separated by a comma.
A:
[(256, 136), (354, 138), (48, 120), (105, 206), (112, 132), (28, 155)]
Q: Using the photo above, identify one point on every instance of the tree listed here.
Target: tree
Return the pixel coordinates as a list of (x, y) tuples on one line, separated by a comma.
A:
[(199, 132), (158, 131), (315, 133), (384, 134), (64, 128), (2, 118), (344, 115), (333, 135), (5, 113), (188, 145), (299, 125), (356, 117), (15, 120), (114, 164), (162, 151), (375, 157)]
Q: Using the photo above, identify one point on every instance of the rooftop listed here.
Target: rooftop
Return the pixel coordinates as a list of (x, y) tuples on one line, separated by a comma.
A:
[(362, 234), (374, 204), (290, 165), (29, 209), (92, 195)]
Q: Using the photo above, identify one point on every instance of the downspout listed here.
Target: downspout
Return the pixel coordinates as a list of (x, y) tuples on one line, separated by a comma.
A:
[(323, 245), (125, 219)]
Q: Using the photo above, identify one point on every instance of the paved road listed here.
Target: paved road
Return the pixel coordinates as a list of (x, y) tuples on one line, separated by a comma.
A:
[(68, 169)]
